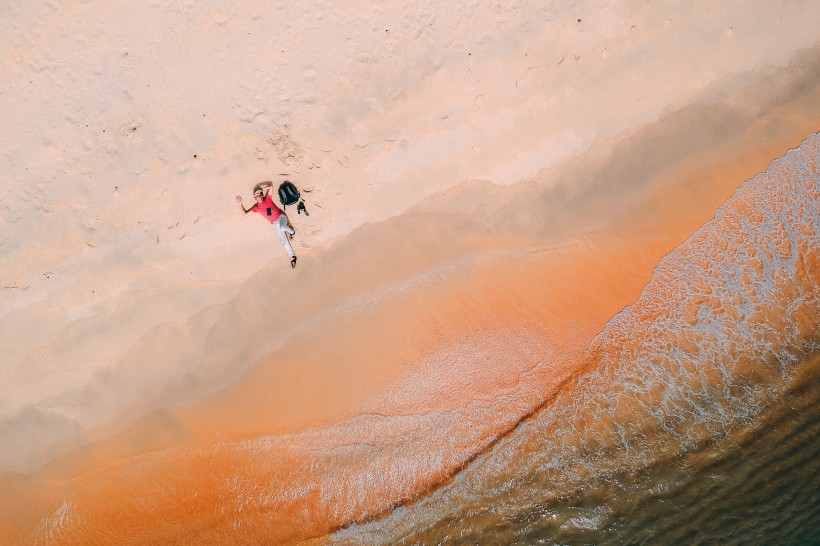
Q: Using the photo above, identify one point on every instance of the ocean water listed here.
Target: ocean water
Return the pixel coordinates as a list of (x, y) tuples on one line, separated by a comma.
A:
[(758, 485), (695, 420)]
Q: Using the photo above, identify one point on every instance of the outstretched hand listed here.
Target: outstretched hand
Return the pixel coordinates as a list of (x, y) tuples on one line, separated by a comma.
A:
[(238, 198)]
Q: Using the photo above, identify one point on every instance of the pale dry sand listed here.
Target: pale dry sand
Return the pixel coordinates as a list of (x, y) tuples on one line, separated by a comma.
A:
[(131, 281)]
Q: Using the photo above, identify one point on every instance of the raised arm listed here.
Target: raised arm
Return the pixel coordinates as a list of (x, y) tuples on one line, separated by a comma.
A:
[(266, 185), (239, 200)]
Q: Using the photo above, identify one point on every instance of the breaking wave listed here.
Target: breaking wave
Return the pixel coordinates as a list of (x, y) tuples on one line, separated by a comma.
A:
[(680, 391)]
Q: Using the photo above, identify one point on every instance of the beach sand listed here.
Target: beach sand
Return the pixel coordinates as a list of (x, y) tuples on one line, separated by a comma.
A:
[(487, 186)]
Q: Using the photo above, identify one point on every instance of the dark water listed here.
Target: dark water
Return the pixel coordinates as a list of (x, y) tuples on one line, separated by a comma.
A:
[(764, 489)]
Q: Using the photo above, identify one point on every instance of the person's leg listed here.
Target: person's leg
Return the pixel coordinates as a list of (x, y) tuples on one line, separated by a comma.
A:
[(282, 229)]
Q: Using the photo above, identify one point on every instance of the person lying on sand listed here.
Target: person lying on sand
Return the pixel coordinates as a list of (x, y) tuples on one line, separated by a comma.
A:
[(278, 219)]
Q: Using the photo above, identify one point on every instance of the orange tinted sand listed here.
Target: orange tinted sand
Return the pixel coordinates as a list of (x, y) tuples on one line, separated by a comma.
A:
[(460, 394)]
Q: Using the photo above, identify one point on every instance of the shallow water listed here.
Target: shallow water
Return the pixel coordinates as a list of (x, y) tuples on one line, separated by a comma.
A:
[(696, 419)]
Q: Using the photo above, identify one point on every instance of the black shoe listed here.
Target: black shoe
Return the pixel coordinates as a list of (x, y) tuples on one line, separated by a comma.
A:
[(293, 262)]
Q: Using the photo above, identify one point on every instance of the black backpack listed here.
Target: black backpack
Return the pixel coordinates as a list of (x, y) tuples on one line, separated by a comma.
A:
[(288, 195)]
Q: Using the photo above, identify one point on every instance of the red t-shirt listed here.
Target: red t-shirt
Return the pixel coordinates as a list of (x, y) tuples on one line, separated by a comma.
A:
[(267, 209)]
